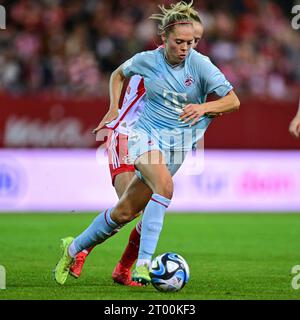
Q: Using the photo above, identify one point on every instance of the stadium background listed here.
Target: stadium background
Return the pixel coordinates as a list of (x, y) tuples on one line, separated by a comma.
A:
[(55, 60)]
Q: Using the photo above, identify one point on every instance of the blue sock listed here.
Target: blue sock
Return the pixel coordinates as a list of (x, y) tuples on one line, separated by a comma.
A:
[(99, 230), (153, 218)]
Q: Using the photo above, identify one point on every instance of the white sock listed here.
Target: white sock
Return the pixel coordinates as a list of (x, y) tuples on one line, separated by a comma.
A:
[(152, 223), (72, 250), (141, 262), (138, 227)]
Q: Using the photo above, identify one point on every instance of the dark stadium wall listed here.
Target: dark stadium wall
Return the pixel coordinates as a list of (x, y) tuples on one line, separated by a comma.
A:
[(259, 124), (55, 122)]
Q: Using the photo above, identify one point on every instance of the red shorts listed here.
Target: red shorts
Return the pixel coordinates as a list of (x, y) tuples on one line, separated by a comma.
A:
[(117, 148)]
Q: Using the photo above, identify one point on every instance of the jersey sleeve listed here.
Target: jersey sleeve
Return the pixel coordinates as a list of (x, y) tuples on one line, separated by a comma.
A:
[(135, 65), (214, 80)]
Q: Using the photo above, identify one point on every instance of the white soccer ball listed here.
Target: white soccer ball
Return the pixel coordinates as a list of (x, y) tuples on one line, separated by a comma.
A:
[(169, 272)]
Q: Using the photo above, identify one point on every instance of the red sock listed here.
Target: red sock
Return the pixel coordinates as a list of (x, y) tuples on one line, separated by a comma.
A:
[(131, 252), (88, 250)]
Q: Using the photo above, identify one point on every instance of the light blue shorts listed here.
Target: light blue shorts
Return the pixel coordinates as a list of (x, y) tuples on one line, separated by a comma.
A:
[(140, 142)]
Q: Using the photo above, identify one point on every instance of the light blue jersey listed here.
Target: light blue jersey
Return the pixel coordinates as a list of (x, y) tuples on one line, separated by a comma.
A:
[(168, 90)]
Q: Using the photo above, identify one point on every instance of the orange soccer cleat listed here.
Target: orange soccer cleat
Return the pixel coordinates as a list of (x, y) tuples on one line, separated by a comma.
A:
[(76, 268), (122, 275)]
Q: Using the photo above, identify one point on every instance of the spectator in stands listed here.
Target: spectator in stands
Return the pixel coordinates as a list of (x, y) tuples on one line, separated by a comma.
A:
[(71, 47)]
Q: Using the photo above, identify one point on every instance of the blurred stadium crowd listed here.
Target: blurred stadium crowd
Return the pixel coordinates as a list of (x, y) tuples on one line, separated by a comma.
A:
[(70, 47)]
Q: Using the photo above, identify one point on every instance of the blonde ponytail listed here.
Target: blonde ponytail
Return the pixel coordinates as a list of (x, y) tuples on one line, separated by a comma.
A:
[(179, 13)]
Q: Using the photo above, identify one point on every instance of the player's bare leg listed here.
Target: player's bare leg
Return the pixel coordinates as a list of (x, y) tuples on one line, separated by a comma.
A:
[(157, 176), (134, 199), (122, 214), (121, 273)]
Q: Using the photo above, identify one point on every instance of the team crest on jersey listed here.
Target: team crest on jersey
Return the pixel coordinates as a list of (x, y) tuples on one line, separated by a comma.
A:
[(189, 81), (150, 143)]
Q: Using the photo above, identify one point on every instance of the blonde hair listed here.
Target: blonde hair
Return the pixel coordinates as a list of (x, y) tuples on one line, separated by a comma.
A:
[(179, 13)]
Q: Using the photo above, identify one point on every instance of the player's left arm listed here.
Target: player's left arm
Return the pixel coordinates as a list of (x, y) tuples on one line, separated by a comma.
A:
[(294, 127), (228, 103)]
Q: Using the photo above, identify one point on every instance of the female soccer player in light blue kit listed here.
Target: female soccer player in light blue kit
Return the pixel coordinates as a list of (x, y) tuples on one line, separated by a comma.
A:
[(177, 81), (121, 121)]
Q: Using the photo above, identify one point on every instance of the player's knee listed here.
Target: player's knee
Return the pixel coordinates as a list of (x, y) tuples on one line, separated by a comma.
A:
[(165, 188), (123, 214)]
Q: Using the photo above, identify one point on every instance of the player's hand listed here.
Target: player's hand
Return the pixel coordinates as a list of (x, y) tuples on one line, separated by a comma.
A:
[(192, 112), (295, 127), (109, 117)]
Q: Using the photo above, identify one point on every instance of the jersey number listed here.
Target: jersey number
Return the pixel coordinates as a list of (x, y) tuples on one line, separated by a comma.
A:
[(175, 101)]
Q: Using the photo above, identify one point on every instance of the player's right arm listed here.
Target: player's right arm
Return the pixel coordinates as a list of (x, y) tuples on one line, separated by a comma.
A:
[(295, 124), (116, 82)]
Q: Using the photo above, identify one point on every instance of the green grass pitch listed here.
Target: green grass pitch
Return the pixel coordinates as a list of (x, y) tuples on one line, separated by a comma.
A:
[(231, 256)]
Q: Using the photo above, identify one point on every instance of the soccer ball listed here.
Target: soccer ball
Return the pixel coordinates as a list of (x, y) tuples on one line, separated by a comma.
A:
[(169, 272)]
